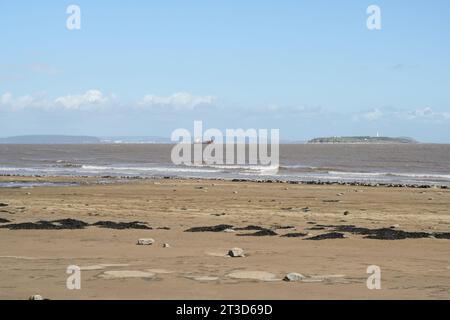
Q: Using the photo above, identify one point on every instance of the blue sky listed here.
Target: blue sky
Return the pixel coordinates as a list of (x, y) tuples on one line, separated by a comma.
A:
[(309, 68)]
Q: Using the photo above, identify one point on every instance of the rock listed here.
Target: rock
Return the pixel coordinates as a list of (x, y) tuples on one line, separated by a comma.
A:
[(394, 226), (145, 242), (346, 213), (236, 253), (36, 297), (235, 192), (166, 245), (229, 230), (293, 276), (340, 194)]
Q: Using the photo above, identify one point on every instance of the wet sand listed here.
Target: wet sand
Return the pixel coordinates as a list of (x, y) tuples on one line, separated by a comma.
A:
[(196, 265)]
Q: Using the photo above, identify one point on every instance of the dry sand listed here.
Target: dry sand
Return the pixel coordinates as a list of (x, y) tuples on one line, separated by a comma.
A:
[(196, 266)]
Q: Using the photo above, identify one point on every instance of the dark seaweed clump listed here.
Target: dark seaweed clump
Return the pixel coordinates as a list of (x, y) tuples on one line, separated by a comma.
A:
[(442, 235), (218, 228), (295, 235), (331, 235), (63, 224), (122, 225), (316, 228), (260, 233), (251, 227), (73, 224), (382, 233)]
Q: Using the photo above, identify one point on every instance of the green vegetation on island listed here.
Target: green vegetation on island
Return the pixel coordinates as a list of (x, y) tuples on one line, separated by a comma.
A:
[(362, 139)]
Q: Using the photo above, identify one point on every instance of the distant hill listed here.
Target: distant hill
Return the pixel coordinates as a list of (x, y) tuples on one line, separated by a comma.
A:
[(364, 139), (49, 139), (135, 139)]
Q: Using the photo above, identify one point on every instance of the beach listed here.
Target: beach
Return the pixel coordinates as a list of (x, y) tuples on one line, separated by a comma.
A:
[(279, 226)]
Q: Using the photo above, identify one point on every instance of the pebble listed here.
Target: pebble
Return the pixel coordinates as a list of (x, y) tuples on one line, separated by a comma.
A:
[(236, 253), (229, 230), (394, 226), (36, 297), (346, 213), (166, 245), (145, 242), (293, 276)]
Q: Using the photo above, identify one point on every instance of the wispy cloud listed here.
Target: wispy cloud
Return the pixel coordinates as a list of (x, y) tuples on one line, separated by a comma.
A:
[(177, 101), (88, 100), (426, 113)]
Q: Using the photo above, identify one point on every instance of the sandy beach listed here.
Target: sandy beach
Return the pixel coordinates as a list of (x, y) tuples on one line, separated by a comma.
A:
[(253, 216)]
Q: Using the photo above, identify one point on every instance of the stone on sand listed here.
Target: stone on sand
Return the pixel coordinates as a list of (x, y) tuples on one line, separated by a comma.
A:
[(236, 253), (36, 297), (145, 241), (293, 276), (166, 245)]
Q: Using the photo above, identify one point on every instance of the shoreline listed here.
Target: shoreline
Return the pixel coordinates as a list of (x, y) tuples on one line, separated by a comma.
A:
[(118, 179)]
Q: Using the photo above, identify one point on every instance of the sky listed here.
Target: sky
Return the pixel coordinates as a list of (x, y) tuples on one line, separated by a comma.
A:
[(146, 68)]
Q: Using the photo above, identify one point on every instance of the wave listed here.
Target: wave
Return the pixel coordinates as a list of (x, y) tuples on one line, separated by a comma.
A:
[(145, 169), (392, 174), (243, 169)]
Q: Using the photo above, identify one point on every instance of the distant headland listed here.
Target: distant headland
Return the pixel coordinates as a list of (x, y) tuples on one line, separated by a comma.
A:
[(363, 139)]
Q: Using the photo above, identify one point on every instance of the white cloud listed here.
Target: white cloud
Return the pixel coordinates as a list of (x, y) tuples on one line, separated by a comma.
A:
[(86, 101), (426, 113), (177, 101), (27, 101), (89, 98)]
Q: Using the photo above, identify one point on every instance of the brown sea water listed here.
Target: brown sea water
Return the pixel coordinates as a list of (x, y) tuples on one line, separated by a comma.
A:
[(390, 163)]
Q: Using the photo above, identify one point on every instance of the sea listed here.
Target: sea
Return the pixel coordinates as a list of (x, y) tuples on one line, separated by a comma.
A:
[(366, 163)]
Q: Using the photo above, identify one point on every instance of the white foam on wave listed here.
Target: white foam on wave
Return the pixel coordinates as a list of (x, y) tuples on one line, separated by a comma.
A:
[(391, 174)]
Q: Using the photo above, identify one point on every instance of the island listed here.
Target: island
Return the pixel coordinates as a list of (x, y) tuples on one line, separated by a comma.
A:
[(363, 139)]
